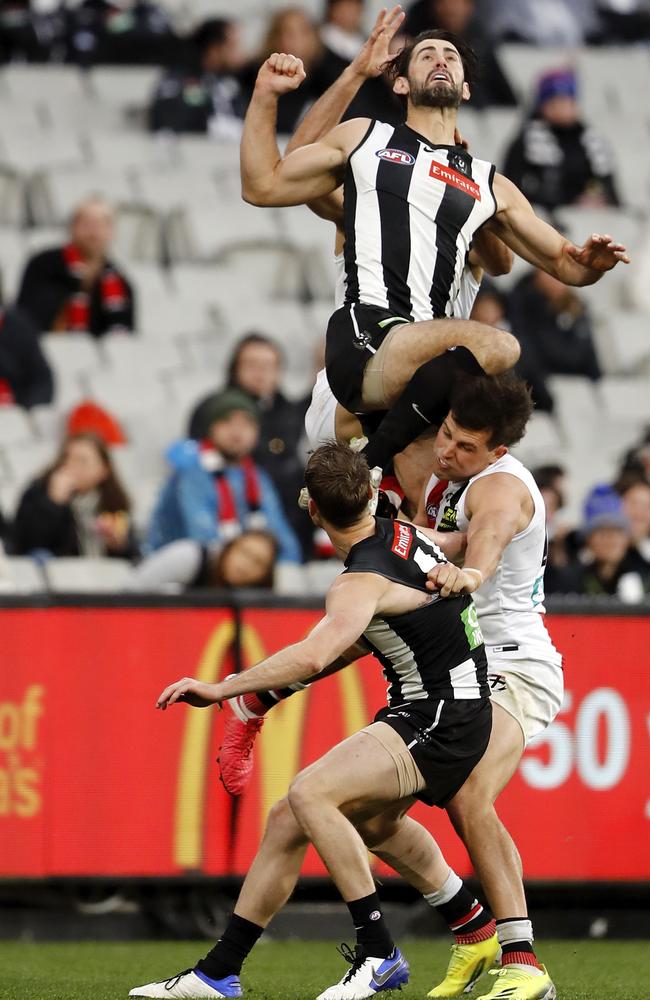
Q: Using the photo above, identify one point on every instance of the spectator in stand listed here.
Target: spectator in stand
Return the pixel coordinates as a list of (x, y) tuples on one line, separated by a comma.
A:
[(342, 35), (557, 159), (246, 561), (256, 367), (551, 480), (636, 462), (490, 307), (554, 329), (607, 564), (30, 33), (459, 16), (78, 507), (216, 490), (204, 94), (122, 32), (77, 287), (635, 495), (291, 30), (550, 23), (25, 376)]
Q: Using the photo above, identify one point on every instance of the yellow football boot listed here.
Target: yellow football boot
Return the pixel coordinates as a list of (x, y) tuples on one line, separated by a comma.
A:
[(517, 984), (467, 963)]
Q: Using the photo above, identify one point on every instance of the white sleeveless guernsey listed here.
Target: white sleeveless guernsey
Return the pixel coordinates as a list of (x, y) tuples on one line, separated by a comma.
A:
[(510, 603)]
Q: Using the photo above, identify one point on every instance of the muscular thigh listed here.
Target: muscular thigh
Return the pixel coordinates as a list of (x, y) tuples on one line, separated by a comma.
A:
[(400, 354), (358, 775), (498, 764)]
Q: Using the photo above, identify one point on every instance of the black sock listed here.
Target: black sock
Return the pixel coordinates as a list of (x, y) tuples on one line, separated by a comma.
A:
[(424, 402), (231, 950), (372, 933), (467, 919)]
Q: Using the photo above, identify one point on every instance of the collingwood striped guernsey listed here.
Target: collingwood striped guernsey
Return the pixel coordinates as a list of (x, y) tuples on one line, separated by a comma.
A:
[(435, 651), (411, 210)]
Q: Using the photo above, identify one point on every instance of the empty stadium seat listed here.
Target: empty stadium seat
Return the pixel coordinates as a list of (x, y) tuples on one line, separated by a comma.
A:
[(127, 392), (23, 575), (83, 575), (14, 425)]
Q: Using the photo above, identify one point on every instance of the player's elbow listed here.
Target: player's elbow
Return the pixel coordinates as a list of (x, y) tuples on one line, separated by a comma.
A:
[(502, 264), (253, 195)]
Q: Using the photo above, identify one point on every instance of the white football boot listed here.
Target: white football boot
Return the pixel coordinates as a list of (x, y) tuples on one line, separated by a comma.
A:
[(368, 976), (191, 985)]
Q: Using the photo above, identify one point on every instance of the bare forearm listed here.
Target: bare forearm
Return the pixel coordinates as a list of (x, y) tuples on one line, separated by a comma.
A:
[(259, 152), (328, 110), (484, 550), (292, 665)]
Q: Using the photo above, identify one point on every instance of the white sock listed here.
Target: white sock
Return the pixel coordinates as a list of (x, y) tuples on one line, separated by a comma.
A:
[(510, 931), (449, 888)]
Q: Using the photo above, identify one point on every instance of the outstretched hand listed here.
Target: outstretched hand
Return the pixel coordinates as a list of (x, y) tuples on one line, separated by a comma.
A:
[(599, 253), (280, 74), (375, 54), (191, 692)]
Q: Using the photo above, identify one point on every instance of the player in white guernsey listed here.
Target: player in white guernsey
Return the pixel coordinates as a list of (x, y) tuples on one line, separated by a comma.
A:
[(413, 203), (478, 488)]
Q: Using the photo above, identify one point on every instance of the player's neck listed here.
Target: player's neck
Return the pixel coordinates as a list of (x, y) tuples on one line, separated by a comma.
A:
[(344, 538), (435, 124)]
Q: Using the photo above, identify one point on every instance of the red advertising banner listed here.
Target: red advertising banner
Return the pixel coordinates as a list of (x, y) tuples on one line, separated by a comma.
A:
[(95, 781)]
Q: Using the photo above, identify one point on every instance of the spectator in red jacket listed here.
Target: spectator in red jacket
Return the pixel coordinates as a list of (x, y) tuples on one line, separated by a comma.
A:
[(77, 287)]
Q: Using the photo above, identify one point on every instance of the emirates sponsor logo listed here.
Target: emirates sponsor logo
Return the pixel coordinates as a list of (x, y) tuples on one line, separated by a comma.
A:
[(449, 176), (402, 540)]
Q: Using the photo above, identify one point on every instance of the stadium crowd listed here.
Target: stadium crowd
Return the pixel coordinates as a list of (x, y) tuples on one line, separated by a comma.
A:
[(224, 513)]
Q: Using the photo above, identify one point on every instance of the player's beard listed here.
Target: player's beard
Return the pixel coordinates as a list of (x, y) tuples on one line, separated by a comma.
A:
[(436, 95)]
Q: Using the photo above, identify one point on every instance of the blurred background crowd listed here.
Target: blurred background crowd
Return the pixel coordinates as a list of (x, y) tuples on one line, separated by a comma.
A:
[(159, 338)]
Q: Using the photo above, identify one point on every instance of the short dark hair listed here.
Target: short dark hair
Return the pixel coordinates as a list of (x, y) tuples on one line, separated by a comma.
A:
[(338, 480), (500, 404), (402, 61)]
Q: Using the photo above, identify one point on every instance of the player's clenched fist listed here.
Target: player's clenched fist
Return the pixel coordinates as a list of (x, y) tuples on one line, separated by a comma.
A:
[(280, 74), (451, 580)]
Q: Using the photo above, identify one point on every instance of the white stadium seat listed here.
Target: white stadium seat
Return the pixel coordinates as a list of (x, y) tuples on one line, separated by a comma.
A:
[(23, 575), (84, 575)]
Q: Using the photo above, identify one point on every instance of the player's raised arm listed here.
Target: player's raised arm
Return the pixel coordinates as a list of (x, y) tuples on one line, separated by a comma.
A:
[(307, 173), (351, 603), (370, 62), (541, 245)]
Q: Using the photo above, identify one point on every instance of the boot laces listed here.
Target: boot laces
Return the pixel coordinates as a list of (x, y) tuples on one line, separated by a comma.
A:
[(356, 959)]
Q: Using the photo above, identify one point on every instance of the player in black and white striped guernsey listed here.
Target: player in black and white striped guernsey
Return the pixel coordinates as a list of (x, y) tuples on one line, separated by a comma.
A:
[(424, 744), (413, 201)]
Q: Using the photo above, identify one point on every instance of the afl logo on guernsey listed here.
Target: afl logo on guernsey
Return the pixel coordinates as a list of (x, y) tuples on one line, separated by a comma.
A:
[(396, 156)]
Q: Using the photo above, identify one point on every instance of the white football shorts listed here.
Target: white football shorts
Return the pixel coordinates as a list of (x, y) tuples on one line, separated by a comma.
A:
[(529, 689)]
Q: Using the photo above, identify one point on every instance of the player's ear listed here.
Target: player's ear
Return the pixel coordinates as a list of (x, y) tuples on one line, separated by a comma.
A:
[(312, 510), (466, 92), (499, 452), (401, 86)]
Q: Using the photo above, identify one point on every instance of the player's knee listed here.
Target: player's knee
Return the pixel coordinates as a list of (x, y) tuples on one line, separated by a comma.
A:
[(302, 797), (506, 353), (281, 823), (469, 813)]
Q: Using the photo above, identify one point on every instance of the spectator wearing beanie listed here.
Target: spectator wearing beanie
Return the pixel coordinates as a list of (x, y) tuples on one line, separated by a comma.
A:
[(557, 159), (256, 367), (216, 490), (607, 565), (76, 288)]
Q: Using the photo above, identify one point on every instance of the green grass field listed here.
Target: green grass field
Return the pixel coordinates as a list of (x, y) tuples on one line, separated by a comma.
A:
[(582, 970)]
